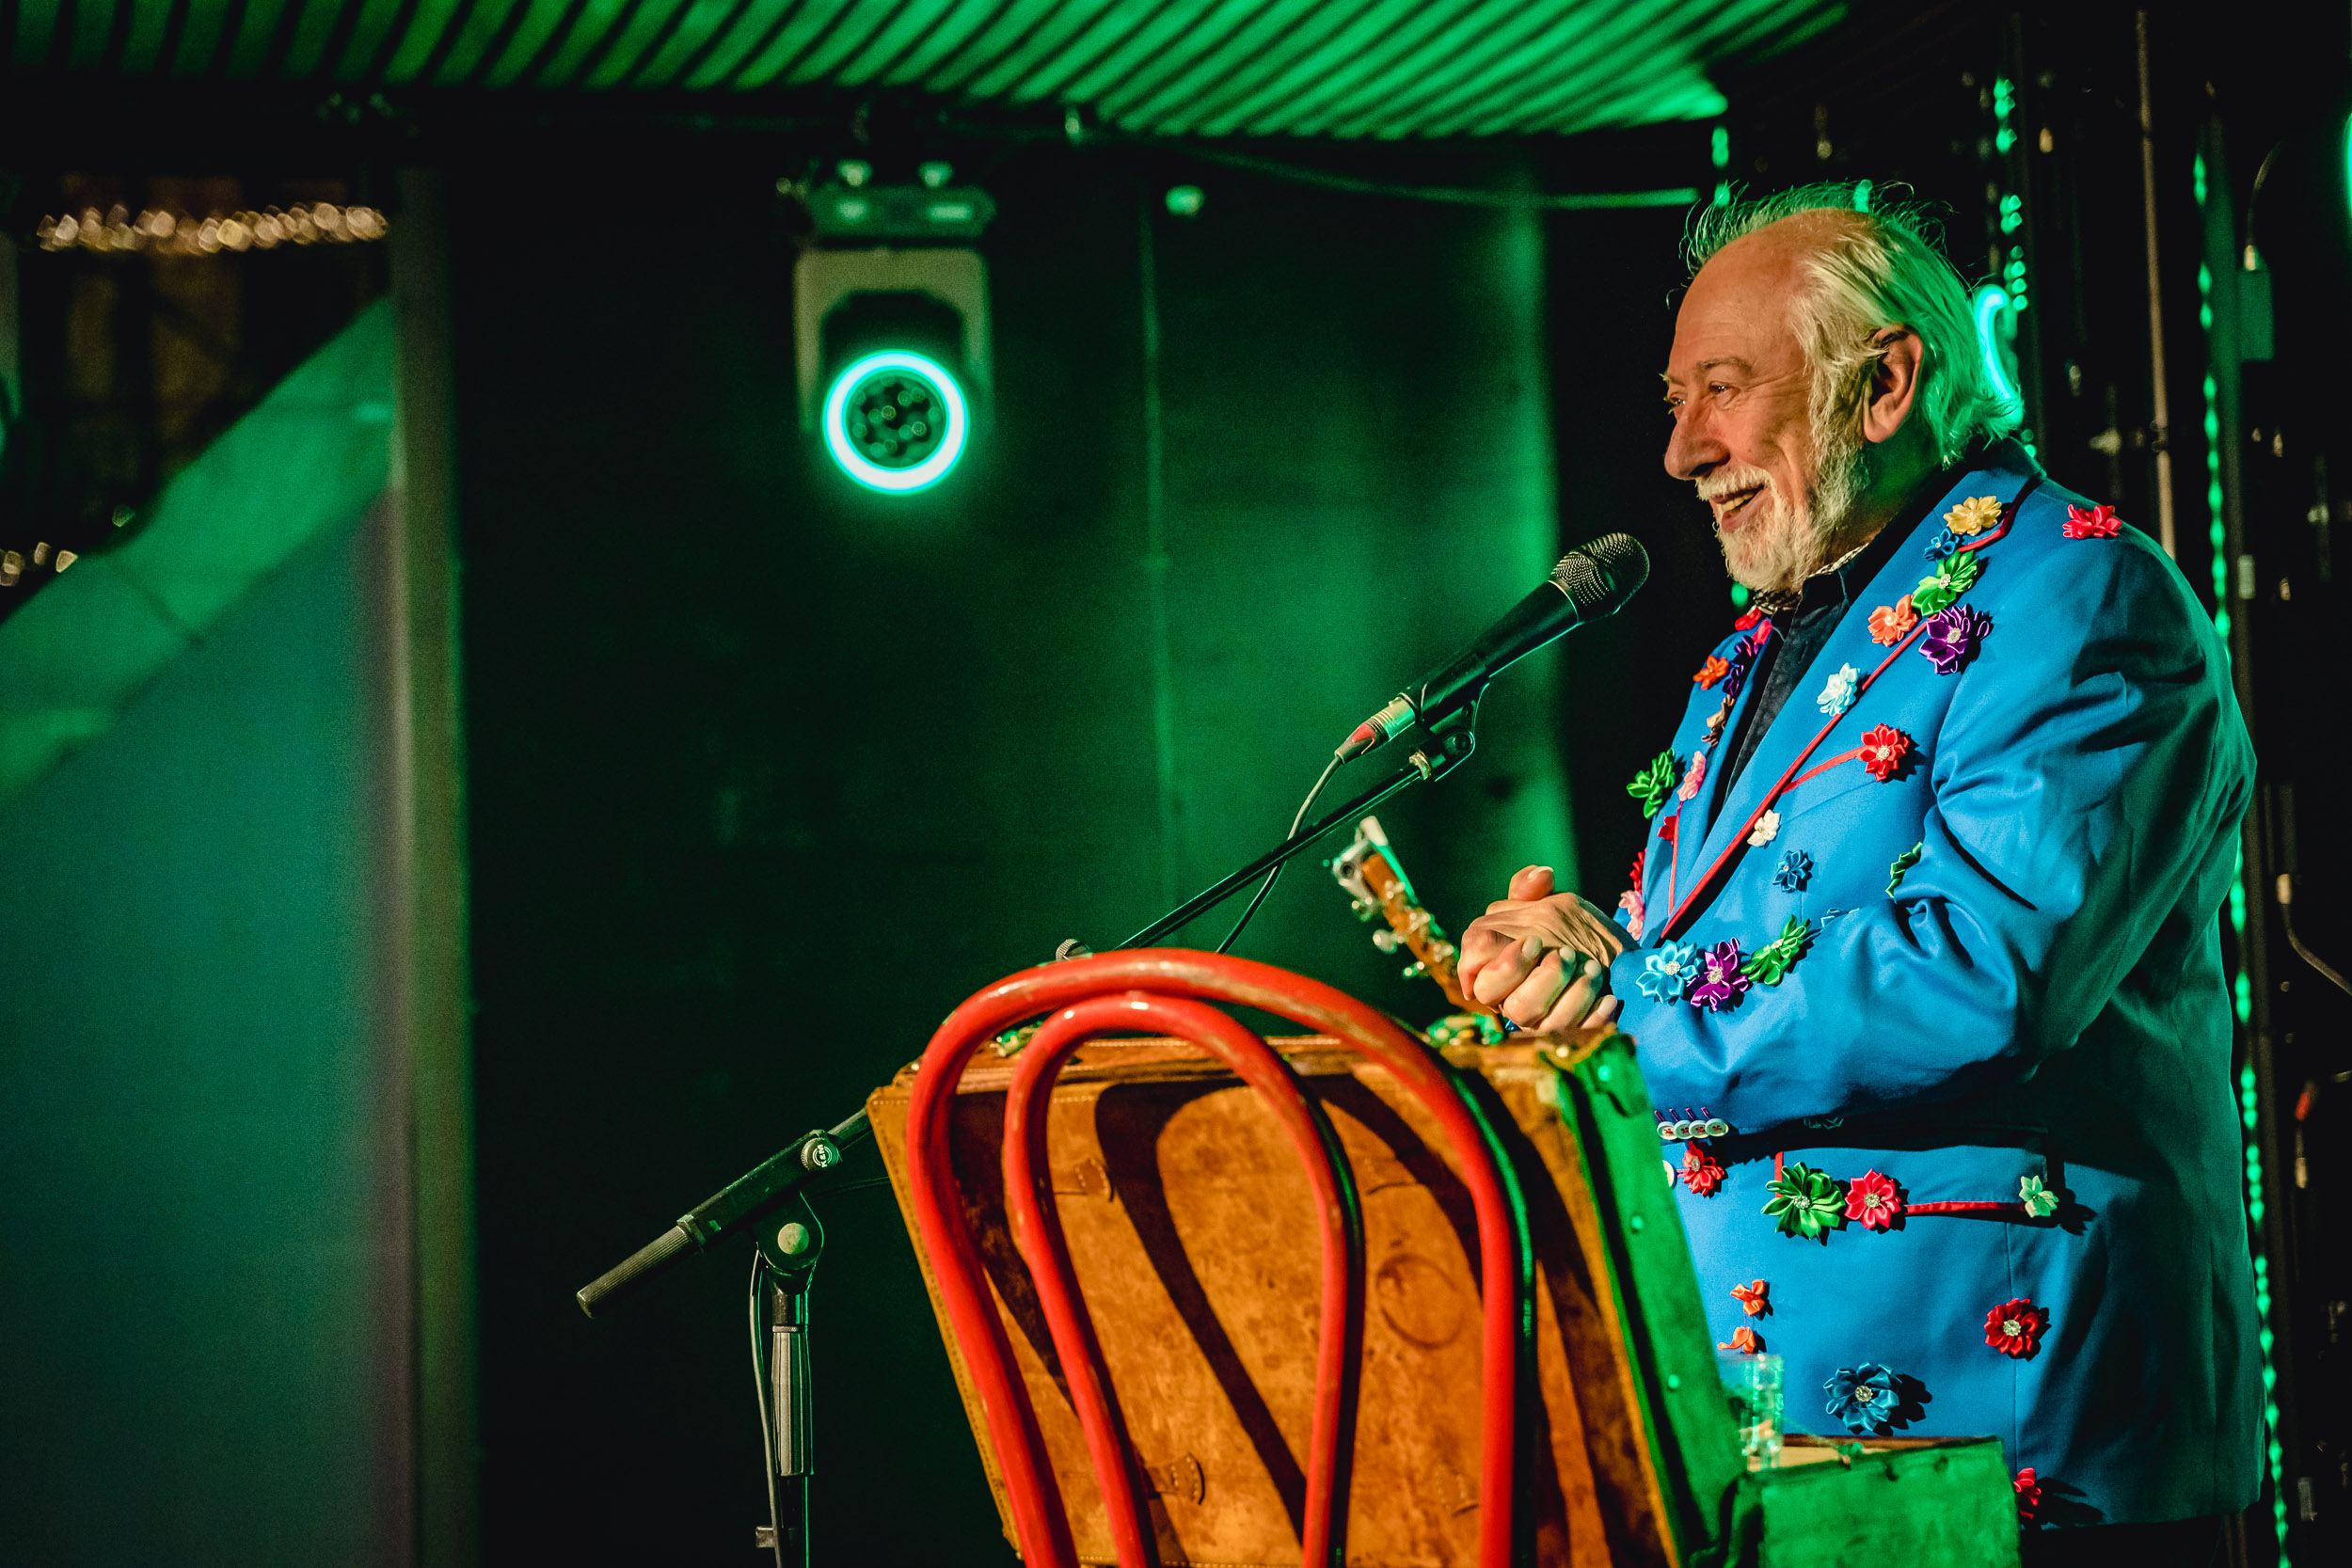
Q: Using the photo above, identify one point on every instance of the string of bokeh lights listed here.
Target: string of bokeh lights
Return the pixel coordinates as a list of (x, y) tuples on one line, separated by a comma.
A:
[(12, 562), (158, 231)]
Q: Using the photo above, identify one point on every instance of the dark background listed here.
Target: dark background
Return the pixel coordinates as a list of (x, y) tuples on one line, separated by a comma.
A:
[(767, 773)]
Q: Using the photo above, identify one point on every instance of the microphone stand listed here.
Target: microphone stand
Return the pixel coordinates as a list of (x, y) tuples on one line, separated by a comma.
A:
[(1431, 760), (779, 1187)]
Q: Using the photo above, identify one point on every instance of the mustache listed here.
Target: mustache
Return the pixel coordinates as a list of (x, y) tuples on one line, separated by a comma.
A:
[(1715, 487)]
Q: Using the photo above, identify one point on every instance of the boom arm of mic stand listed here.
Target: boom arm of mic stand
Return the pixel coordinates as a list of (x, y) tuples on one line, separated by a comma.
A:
[(739, 1203), (1432, 760), (758, 1191)]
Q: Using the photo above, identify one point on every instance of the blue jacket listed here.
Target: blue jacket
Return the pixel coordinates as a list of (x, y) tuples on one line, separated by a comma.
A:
[(1971, 1121)]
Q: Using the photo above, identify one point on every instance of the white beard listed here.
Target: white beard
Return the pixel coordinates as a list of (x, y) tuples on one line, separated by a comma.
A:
[(1793, 539)]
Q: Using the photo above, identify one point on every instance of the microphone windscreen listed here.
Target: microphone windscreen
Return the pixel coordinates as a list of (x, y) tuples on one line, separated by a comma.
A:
[(1601, 576)]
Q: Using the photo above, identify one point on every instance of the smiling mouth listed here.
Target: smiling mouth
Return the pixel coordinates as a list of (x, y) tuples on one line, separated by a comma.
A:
[(1726, 507)]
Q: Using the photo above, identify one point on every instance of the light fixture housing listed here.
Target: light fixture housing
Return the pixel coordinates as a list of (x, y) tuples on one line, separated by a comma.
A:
[(895, 422)]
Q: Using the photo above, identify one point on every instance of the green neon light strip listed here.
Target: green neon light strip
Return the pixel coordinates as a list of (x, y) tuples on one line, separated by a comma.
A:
[(2242, 996), (1991, 301)]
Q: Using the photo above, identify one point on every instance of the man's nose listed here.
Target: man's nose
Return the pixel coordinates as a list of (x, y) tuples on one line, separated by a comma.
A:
[(1691, 451)]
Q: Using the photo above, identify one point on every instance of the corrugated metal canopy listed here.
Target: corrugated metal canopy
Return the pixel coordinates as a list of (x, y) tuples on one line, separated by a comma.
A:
[(1334, 68)]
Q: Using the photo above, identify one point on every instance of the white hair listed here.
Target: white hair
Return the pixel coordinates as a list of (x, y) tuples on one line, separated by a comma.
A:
[(1869, 269)]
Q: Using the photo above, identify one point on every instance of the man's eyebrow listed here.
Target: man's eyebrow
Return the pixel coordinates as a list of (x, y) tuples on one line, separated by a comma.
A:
[(1705, 365)]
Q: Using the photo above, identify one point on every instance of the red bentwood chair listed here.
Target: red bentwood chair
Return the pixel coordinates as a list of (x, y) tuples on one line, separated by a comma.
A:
[(1160, 992)]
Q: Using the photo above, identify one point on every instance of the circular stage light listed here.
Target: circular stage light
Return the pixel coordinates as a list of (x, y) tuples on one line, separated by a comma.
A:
[(895, 422)]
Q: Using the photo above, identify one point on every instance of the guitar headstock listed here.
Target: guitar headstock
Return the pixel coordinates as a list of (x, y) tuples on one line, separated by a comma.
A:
[(1376, 881)]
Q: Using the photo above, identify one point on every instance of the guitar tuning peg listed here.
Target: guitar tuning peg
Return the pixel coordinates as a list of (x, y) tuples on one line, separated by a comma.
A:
[(1384, 940), (1416, 970)]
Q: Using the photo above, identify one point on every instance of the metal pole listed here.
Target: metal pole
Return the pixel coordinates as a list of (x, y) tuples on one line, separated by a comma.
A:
[(788, 1392), (2161, 423)]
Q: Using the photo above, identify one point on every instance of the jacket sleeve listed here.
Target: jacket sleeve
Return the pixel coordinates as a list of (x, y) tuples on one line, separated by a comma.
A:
[(2089, 773)]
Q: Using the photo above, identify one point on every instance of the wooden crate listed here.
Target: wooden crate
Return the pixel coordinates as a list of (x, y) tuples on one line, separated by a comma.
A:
[(1191, 1233)]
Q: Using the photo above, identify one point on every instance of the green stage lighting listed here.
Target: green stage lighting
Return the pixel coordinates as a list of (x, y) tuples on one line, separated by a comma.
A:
[(1992, 302), (895, 422)]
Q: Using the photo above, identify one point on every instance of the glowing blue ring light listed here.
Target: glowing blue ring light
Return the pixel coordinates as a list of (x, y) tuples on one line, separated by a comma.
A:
[(883, 436)]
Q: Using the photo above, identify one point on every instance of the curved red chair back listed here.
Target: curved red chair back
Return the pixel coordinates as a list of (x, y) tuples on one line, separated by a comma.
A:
[(1159, 990)]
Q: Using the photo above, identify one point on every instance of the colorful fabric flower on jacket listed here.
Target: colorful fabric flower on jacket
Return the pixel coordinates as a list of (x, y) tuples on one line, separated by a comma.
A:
[(2028, 1489), (1629, 905), (2040, 1201), (1773, 961), (1952, 636), (1767, 828), (1629, 901), (1701, 1171), (1748, 621), (1796, 869), (1721, 981), (1884, 750), (1873, 1201), (2015, 1328), (1668, 971), (1901, 868), (1891, 622), (1863, 1397), (1745, 1339), (1712, 671), (1716, 720), (1838, 692), (1694, 776), (2097, 522), (1974, 516), (1964, 522), (1805, 1202), (1754, 1298), (1653, 783), (1744, 657), (1948, 582)]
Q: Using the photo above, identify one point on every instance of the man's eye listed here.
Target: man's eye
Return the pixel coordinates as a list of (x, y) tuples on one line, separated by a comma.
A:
[(1717, 387)]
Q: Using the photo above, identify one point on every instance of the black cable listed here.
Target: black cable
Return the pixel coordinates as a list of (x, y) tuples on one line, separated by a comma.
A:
[(759, 1385), (1520, 201), (1274, 876)]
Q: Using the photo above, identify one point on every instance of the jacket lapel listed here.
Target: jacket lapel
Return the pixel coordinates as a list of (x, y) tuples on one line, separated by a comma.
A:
[(2005, 471)]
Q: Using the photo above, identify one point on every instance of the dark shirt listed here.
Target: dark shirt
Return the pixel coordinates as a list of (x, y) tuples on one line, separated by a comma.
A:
[(1798, 634)]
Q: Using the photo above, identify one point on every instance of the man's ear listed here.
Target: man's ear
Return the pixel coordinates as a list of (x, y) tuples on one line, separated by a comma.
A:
[(1894, 384)]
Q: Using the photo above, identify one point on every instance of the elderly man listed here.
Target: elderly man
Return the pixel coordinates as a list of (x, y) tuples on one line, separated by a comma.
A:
[(1922, 955)]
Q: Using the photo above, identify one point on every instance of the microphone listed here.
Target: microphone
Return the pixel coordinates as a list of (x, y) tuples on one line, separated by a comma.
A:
[(1588, 584)]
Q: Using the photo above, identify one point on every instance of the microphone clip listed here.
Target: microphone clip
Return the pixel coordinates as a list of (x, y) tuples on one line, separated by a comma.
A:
[(1439, 752)]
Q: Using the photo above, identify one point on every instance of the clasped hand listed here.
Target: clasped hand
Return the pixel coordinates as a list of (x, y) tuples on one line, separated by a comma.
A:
[(1541, 959)]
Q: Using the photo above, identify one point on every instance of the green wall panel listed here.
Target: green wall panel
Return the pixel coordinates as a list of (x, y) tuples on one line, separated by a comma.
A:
[(205, 1299)]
